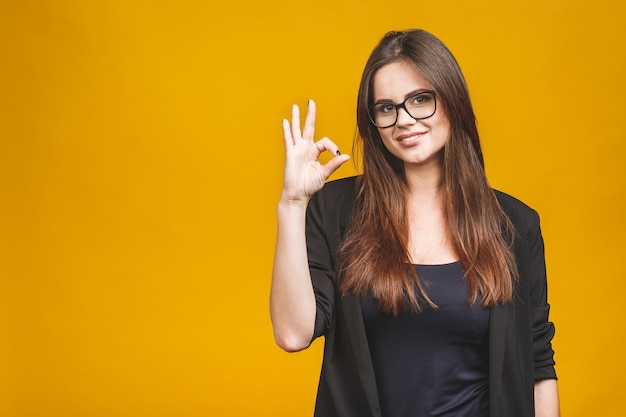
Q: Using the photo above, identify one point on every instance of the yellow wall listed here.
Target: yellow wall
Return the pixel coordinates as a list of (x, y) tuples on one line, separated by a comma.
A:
[(141, 160)]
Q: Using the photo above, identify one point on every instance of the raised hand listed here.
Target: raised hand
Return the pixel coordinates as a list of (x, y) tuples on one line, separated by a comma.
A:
[(304, 174), (292, 300)]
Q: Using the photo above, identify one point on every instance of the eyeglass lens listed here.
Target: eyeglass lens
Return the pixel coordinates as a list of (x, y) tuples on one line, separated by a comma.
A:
[(418, 106)]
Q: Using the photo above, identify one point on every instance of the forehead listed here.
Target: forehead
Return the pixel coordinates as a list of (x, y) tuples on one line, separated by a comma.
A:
[(397, 79)]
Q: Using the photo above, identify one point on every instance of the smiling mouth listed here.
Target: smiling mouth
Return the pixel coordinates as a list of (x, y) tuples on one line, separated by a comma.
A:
[(412, 137)]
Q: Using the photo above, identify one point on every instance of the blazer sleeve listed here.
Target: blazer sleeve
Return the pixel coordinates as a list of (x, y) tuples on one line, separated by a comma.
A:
[(321, 262), (542, 329)]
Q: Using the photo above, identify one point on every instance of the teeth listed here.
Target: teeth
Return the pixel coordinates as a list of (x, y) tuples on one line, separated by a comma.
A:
[(410, 138)]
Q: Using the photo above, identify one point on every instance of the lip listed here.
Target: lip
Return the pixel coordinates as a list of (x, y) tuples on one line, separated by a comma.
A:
[(410, 138)]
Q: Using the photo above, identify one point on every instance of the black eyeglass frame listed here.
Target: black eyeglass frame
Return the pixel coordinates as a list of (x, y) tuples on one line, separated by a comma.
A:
[(403, 106)]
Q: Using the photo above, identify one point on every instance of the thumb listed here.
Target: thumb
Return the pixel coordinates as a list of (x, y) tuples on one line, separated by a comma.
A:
[(332, 165)]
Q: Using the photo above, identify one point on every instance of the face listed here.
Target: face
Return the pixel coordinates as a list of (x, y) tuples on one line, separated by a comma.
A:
[(419, 143)]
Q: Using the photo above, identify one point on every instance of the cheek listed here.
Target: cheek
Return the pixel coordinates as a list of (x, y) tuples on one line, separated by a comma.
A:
[(385, 136), (446, 132), (442, 124)]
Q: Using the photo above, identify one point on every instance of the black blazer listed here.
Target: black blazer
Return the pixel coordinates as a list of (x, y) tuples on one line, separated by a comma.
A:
[(520, 334)]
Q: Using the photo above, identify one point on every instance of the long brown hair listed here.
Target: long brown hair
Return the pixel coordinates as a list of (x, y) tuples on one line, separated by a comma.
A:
[(374, 256)]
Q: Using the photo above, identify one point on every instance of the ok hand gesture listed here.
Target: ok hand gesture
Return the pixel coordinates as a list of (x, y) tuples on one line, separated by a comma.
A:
[(304, 174)]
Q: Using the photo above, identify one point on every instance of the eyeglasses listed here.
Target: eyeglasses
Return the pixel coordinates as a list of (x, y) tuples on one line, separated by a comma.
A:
[(419, 106)]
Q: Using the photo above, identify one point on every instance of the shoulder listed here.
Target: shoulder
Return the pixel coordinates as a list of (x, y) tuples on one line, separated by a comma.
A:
[(520, 214), (340, 188), (337, 193), (333, 203)]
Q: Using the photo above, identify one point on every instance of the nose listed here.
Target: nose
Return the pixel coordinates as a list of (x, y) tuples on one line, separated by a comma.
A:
[(404, 118)]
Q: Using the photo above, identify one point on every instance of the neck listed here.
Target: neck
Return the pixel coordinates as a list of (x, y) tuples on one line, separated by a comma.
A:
[(424, 182)]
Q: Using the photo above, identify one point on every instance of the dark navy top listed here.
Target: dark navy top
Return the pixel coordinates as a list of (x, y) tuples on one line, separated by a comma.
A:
[(434, 363)]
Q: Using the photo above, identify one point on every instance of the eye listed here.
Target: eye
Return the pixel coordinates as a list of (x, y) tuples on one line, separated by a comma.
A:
[(420, 99), (385, 108)]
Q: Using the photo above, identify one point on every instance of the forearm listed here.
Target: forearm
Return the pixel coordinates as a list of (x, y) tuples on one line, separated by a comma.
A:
[(292, 300), (547, 398)]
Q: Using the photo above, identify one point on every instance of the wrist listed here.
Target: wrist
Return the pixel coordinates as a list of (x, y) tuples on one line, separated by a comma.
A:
[(290, 202)]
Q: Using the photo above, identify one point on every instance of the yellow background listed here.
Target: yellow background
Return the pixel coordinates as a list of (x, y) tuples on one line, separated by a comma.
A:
[(141, 161)]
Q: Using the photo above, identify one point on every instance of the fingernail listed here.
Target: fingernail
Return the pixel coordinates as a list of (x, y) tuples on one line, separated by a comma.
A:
[(338, 153)]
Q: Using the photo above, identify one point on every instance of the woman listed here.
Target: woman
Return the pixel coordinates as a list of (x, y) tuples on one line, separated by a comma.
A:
[(428, 286)]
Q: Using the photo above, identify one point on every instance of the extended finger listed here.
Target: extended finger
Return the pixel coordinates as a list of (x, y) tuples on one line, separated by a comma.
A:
[(295, 122), (309, 122), (287, 134)]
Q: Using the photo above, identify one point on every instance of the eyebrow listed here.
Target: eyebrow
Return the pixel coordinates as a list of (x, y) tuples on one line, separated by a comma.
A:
[(407, 95)]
